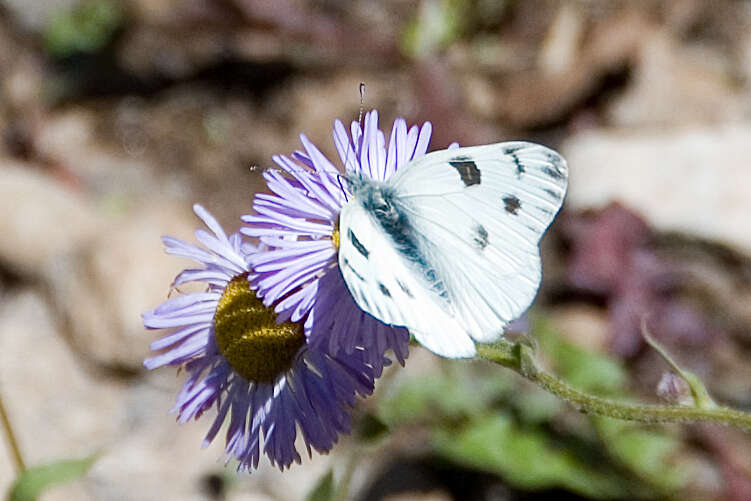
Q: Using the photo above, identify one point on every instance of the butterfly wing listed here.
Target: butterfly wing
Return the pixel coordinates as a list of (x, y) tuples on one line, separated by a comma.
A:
[(388, 287), (480, 213)]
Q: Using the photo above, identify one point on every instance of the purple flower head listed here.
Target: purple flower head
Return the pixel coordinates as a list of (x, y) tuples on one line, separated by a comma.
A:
[(265, 377), (298, 222)]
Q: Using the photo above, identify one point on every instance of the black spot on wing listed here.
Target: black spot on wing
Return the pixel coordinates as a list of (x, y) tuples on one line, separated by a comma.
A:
[(553, 194), (467, 170), (508, 150), (384, 290), (480, 237), (364, 300), (436, 284), (430, 274), (557, 162), (512, 204), (359, 246), (556, 171), (544, 210), (552, 173), (404, 288), (519, 166), (348, 265)]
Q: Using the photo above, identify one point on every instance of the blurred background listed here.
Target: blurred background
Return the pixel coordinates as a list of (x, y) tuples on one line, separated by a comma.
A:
[(116, 116)]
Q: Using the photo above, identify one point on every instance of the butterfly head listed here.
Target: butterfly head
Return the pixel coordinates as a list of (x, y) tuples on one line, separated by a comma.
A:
[(357, 183)]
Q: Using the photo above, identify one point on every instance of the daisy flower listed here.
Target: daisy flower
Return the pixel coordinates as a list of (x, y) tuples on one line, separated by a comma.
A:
[(264, 377), (298, 273)]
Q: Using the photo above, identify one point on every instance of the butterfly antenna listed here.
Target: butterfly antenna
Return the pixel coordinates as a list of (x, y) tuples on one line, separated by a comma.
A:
[(263, 170), (362, 101), (359, 121)]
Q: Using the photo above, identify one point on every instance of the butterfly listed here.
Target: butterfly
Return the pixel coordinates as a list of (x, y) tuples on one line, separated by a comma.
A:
[(448, 246)]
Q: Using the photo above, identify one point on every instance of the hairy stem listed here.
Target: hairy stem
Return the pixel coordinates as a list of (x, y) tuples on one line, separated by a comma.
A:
[(520, 358)]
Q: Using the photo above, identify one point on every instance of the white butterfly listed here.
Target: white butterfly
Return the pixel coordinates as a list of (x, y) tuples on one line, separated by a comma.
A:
[(448, 246)]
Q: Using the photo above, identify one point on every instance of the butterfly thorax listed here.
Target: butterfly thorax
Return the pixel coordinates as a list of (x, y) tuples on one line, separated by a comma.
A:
[(381, 202)]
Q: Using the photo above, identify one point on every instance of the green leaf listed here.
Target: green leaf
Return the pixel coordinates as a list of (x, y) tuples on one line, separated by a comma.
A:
[(653, 456), (588, 371), (324, 488), (34, 481), (370, 428), (437, 24), (535, 406), (526, 457), (86, 27), (461, 390)]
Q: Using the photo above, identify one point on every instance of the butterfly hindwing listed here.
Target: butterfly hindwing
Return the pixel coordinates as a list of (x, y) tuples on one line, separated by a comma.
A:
[(488, 281), (385, 285)]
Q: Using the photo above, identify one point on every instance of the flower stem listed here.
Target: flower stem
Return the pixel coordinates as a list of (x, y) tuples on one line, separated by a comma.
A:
[(15, 450), (341, 493), (698, 390), (520, 358)]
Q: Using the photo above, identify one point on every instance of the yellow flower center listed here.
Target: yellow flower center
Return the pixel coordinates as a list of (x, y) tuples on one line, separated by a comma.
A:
[(248, 336), (335, 236)]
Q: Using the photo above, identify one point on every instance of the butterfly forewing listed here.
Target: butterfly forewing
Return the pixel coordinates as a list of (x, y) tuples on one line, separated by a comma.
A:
[(522, 179)]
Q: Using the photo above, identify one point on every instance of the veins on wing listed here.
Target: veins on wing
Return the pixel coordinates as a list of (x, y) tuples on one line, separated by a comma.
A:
[(381, 201)]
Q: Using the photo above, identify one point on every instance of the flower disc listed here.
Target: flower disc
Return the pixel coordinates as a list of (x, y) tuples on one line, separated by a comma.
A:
[(248, 336)]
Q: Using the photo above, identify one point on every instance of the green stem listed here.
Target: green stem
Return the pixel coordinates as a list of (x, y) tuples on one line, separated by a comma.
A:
[(14, 448), (341, 492), (520, 358), (698, 390)]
